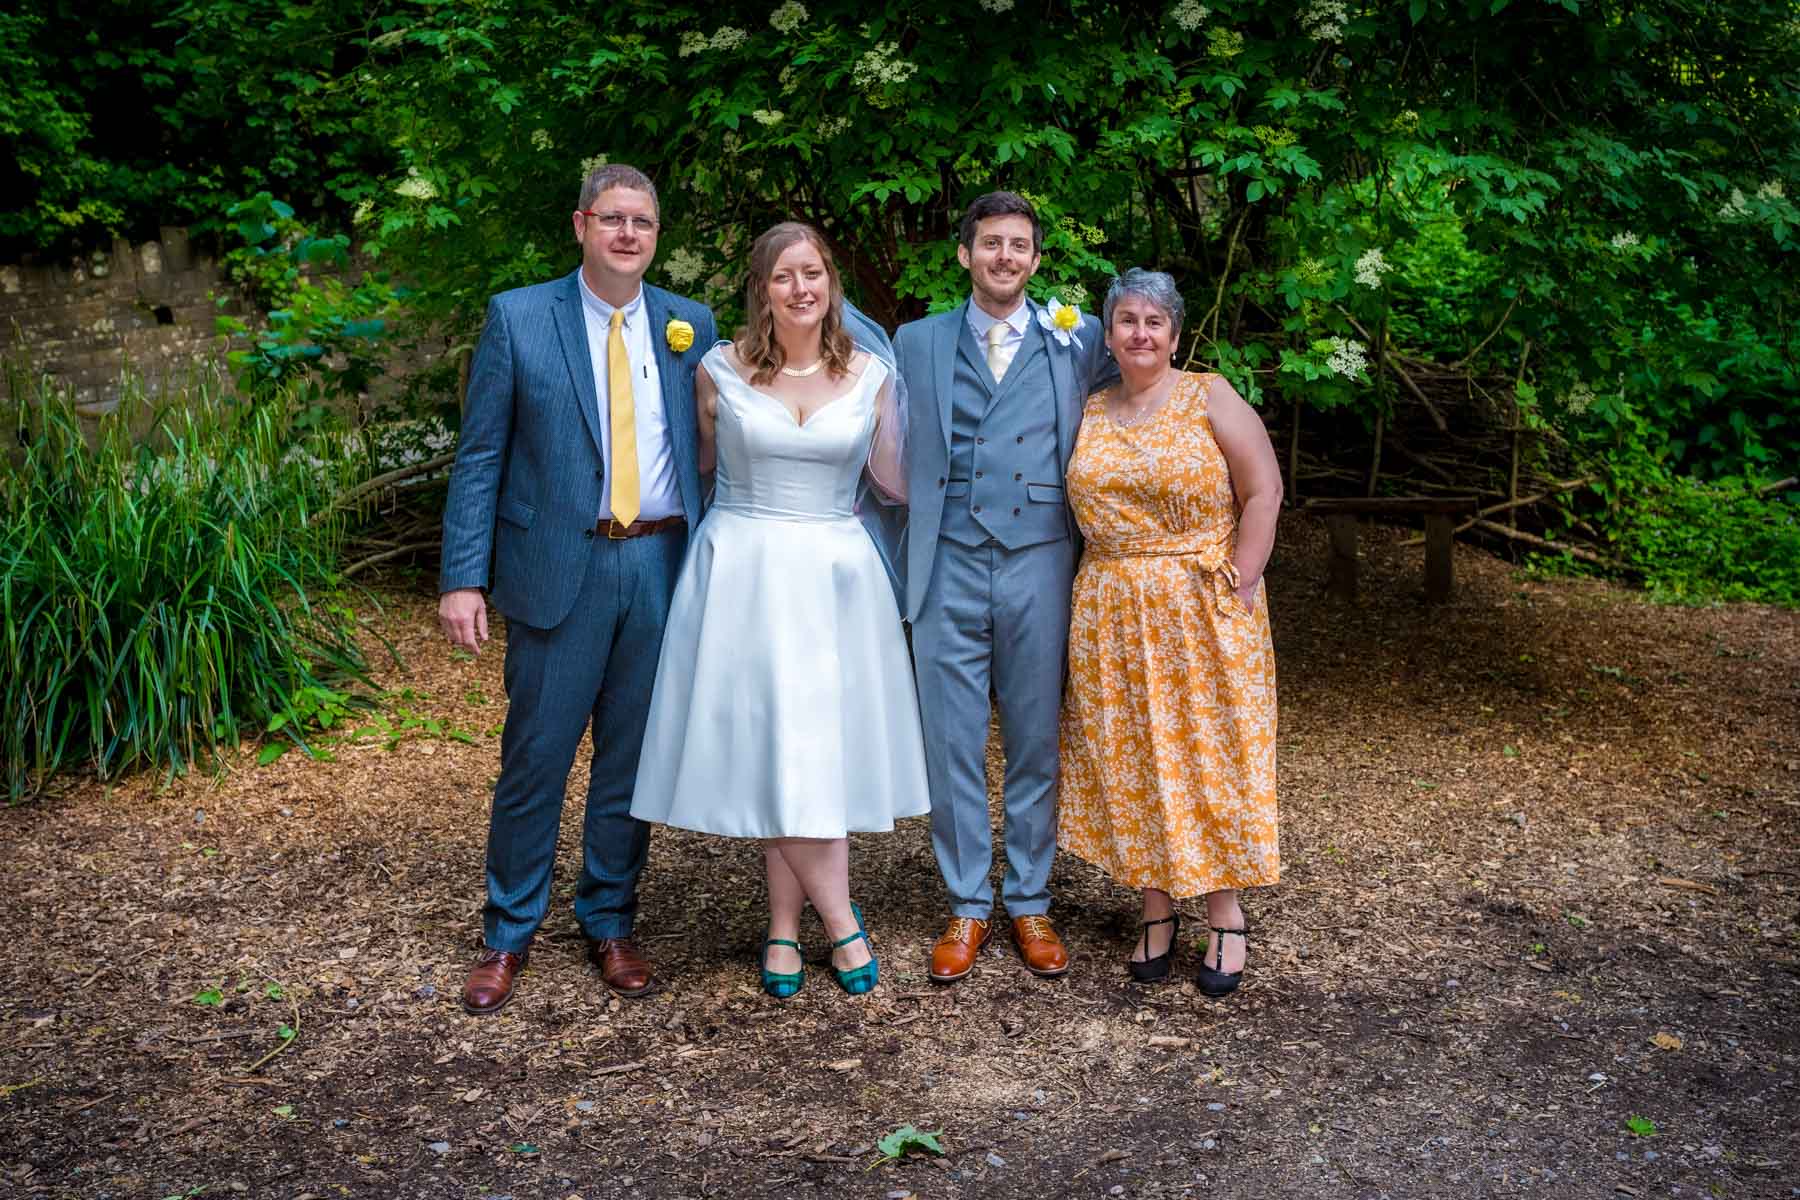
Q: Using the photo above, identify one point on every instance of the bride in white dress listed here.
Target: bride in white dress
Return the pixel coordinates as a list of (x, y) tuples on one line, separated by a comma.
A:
[(784, 706)]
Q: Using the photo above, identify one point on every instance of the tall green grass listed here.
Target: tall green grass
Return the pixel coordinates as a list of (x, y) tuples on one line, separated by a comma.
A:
[(166, 575)]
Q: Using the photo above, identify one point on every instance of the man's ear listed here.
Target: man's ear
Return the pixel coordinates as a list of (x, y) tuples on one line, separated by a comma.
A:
[(962, 255)]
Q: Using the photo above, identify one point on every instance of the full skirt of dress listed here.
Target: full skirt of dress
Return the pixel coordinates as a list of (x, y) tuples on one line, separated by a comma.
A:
[(784, 702)]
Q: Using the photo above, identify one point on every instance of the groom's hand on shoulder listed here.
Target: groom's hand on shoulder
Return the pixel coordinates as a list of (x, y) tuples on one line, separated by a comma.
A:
[(462, 615)]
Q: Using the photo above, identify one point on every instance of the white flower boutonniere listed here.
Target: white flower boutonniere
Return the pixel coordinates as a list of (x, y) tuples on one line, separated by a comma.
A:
[(1060, 321), (679, 334)]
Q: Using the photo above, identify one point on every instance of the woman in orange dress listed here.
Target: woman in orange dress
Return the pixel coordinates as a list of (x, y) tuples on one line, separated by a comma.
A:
[(1168, 722)]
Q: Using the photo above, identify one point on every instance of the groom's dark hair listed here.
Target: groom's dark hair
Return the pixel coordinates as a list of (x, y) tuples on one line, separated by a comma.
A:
[(1001, 204)]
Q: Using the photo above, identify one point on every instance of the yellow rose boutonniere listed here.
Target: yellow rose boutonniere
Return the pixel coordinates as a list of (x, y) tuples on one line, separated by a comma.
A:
[(679, 334)]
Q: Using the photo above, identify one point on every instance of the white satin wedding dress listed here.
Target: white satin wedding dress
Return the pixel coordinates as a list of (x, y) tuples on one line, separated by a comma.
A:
[(784, 703)]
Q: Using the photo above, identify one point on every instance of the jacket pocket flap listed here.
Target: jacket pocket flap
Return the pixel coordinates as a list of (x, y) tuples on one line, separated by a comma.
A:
[(517, 512), (956, 489), (1043, 493)]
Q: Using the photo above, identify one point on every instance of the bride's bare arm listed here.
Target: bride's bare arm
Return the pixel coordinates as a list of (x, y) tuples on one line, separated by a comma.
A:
[(706, 412), (887, 451)]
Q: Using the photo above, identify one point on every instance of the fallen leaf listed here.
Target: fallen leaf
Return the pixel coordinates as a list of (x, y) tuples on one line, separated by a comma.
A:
[(1173, 1043), (1665, 1041), (1111, 1156), (844, 1064), (1687, 885), (471, 1096)]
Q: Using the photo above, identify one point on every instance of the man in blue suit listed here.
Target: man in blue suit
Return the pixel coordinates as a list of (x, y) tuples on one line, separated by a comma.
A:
[(576, 476), (996, 389)]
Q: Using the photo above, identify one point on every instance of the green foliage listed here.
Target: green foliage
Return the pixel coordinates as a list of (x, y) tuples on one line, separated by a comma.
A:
[(1641, 1127), (164, 594), (906, 1138), (1699, 541)]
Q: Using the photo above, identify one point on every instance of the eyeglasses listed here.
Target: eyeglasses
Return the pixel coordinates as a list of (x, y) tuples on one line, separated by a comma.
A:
[(612, 222)]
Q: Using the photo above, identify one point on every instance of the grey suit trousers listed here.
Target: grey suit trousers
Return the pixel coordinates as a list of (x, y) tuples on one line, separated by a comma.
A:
[(994, 618)]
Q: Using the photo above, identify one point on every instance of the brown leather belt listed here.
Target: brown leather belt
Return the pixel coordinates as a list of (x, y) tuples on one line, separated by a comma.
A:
[(612, 529)]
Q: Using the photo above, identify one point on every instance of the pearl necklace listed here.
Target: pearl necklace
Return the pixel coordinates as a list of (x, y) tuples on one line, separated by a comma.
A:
[(803, 372)]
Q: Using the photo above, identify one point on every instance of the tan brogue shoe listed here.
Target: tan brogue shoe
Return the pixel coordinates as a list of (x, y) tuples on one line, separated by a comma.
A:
[(954, 955), (490, 983), (1039, 946), (623, 969)]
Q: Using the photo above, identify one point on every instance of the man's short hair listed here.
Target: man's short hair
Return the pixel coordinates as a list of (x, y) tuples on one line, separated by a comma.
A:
[(617, 175), (1001, 204)]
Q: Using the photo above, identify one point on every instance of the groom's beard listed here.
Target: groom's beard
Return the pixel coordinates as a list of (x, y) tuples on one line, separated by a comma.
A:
[(1000, 301)]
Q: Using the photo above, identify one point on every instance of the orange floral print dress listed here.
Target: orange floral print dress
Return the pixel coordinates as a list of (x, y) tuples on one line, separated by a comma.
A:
[(1168, 720)]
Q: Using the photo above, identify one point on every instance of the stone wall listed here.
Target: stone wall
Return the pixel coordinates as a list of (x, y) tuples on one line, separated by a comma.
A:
[(148, 306)]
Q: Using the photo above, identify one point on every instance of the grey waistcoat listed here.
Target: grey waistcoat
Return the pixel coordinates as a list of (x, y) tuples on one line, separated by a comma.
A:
[(1005, 481)]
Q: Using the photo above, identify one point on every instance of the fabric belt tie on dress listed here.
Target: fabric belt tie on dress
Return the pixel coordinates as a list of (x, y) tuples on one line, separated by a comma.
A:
[(609, 528), (1213, 550)]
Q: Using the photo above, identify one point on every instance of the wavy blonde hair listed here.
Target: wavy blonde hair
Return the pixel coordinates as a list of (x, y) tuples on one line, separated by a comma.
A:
[(756, 343)]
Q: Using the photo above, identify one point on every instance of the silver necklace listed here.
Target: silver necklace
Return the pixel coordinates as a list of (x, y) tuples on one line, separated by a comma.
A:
[(803, 372)]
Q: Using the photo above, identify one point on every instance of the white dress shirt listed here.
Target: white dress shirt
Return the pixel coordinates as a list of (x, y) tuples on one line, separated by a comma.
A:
[(1016, 321), (658, 493)]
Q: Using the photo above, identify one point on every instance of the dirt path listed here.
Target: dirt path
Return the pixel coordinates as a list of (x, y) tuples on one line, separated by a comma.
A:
[(1542, 854)]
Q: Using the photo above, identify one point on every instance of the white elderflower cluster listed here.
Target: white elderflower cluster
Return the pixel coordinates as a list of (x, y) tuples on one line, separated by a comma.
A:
[(1347, 357), (1189, 15), (1074, 295), (684, 267), (881, 65), (416, 187), (997, 6), (1772, 190), (592, 164), (692, 42), (788, 17), (541, 140), (767, 116), (1579, 398), (1624, 241), (1735, 207), (728, 37), (364, 210), (1371, 267), (1324, 20), (830, 127), (786, 78)]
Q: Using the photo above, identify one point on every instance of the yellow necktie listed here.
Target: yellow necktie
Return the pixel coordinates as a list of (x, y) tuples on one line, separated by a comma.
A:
[(623, 404), (999, 354)]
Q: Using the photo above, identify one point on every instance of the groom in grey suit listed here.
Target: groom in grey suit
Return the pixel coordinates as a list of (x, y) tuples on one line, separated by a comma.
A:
[(996, 393), (576, 477)]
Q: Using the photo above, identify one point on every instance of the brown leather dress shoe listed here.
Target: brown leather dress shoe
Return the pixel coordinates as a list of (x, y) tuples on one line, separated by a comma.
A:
[(954, 955), (622, 968), (490, 983), (1039, 946)]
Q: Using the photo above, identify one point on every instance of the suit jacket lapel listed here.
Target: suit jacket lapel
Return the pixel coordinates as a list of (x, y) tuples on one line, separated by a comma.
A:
[(944, 363), (571, 329), (1069, 401), (677, 391)]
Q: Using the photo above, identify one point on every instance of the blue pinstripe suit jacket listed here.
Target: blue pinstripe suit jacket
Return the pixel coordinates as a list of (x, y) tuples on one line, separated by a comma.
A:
[(528, 477)]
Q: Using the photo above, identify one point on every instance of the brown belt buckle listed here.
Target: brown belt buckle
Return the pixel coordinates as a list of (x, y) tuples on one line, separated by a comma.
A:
[(615, 531)]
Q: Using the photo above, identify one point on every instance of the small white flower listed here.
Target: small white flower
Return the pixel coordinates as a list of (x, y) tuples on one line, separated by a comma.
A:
[(767, 116), (1324, 20), (692, 42), (880, 66), (1371, 267), (1737, 206), (591, 164), (541, 140), (731, 142), (416, 187), (1772, 190), (1624, 241), (728, 37), (1347, 358), (1189, 15), (1077, 295), (830, 127), (1579, 398), (684, 267), (788, 17), (997, 6), (364, 210)]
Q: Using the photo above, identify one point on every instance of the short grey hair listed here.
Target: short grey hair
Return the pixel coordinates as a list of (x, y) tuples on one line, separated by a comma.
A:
[(617, 175), (1158, 287)]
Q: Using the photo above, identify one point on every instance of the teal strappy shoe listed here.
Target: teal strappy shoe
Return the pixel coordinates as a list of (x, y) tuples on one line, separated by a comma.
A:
[(858, 980), (781, 984)]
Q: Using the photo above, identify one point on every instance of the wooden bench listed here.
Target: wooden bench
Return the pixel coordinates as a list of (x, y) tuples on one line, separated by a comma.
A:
[(1440, 513)]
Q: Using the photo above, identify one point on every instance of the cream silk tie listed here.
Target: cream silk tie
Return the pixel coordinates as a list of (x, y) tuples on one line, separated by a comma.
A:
[(999, 354), (623, 404)]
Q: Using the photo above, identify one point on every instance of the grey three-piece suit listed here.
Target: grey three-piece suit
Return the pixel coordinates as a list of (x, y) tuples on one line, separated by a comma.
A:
[(990, 558)]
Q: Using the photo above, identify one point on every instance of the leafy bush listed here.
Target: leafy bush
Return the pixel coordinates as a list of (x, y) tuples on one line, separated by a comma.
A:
[(1697, 541), (163, 594)]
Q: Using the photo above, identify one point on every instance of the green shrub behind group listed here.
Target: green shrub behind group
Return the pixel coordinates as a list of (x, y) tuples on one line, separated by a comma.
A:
[(162, 577)]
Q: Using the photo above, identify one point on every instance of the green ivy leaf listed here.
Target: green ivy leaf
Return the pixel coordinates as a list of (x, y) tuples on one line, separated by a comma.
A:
[(905, 1138)]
